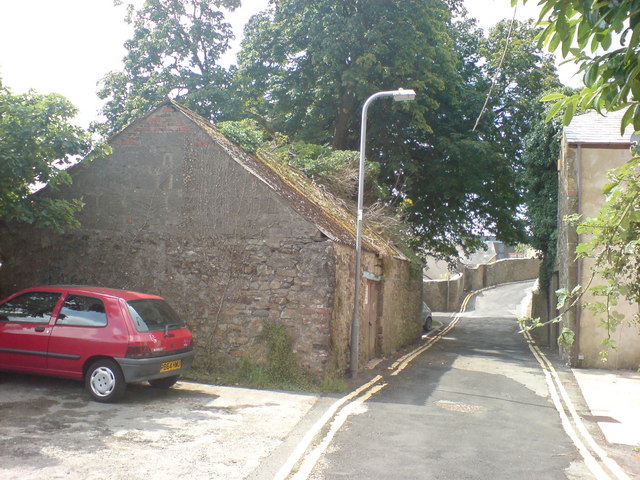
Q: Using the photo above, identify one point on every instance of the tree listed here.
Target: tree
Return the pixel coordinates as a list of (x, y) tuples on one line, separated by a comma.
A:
[(522, 73), (582, 30), (306, 68), (37, 141), (174, 51), (521, 78), (539, 179)]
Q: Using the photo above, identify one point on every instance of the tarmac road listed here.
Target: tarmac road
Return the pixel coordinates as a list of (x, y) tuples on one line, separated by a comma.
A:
[(473, 406)]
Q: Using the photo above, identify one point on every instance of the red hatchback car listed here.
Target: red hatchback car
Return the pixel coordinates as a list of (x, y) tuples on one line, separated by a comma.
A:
[(105, 336)]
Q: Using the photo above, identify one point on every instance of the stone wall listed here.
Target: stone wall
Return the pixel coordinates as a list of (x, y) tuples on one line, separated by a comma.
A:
[(225, 288), (400, 321), (171, 213), (446, 295), (543, 305), (511, 270), (399, 307)]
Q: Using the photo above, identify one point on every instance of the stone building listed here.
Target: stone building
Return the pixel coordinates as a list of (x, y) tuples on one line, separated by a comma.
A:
[(232, 239), (591, 146)]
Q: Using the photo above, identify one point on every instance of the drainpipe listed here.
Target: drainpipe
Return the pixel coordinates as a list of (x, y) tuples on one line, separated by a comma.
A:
[(576, 341)]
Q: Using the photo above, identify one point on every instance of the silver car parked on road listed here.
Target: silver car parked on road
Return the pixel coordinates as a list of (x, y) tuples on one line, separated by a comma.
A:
[(427, 320)]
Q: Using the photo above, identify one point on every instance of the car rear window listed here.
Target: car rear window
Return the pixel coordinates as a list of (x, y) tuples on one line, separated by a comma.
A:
[(32, 307), (153, 315), (81, 311)]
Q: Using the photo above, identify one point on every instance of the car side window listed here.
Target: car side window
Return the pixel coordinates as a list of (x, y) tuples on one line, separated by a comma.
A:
[(32, 307), (81, 311)]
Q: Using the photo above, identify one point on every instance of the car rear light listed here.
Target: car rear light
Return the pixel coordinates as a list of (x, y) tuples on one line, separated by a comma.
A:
[(138, 351)]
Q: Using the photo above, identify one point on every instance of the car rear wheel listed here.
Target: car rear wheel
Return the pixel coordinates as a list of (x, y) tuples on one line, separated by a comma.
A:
[(427, 324), (166, 382), (104, 381)]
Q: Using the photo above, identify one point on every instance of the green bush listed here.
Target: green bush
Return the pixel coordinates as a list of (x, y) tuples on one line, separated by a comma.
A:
[(280, 372), (246, 133)]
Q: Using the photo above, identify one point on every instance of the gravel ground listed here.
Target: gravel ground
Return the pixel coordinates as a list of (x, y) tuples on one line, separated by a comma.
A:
[(50, 429)]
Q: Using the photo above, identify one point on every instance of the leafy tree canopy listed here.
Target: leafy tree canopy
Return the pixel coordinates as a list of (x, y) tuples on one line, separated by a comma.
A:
[(306, 68), (524, 75), (37, 140), (583, 31), (174, 51), (309, 66)]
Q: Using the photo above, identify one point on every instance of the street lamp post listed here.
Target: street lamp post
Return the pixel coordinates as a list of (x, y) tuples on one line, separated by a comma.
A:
[(399, 95)]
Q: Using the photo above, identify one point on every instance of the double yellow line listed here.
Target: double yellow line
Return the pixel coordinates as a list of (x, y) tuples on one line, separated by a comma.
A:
[(301, 462), (594, 456), (404, 361)]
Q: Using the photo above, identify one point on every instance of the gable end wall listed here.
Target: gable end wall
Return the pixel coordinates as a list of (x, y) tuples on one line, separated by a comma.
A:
[(169, 212)]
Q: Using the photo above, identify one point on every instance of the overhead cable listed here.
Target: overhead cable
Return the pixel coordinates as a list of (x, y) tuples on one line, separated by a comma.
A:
[(494, 80)]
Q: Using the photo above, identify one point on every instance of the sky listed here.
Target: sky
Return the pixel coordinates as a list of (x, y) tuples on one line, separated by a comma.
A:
[(66, 46)]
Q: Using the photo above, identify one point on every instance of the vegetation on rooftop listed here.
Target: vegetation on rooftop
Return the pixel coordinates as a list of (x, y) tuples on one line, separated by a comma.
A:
[(337, 170)]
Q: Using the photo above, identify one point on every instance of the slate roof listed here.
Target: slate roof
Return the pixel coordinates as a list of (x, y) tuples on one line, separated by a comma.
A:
[(316, 206), (594, 128)]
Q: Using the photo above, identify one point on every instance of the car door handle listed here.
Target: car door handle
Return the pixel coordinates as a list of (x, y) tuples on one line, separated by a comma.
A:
[(40, 329)]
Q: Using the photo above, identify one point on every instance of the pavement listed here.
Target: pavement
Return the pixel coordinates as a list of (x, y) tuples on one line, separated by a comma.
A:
[(613, 397)]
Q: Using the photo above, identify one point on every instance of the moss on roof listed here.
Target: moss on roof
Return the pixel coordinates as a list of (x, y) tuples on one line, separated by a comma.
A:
[(312, 203)]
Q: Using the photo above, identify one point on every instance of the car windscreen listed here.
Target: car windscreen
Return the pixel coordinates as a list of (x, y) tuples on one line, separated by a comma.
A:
[(153, 315)]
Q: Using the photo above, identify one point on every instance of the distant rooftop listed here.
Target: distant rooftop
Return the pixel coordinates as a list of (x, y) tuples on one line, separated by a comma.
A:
[(598, 129)]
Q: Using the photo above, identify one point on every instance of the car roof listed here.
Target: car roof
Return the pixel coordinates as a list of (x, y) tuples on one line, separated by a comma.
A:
[(86, 289)]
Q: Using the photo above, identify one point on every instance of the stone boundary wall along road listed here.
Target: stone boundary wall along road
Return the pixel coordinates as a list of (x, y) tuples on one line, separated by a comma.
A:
[(446, 295)]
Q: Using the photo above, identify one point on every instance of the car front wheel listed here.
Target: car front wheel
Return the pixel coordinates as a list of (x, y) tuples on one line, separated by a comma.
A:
[(104, 381), (166, 382)]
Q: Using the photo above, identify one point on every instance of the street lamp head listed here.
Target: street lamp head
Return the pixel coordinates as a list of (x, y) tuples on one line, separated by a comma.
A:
[(402, 95)]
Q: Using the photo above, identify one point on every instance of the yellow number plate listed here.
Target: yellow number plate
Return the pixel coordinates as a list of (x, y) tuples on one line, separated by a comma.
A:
[(168, 366)]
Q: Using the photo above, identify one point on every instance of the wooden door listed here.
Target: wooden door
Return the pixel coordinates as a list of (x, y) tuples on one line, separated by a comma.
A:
[(371, 318)]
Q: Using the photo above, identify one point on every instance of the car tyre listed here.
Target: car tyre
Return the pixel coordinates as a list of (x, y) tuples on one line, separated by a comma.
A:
[(104, 381), (166, 382), (427, 324)]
